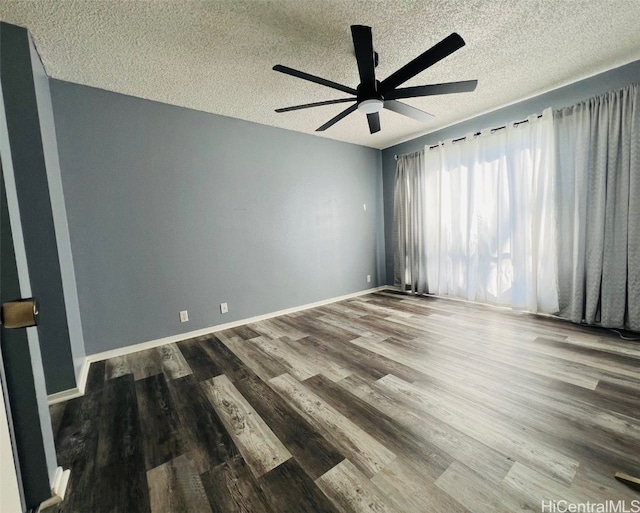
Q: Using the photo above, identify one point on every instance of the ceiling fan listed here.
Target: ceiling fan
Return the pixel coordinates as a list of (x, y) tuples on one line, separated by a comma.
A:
[(371, 96)]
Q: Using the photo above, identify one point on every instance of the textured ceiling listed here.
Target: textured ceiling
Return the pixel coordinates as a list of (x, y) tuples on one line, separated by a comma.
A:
[(217, 56)]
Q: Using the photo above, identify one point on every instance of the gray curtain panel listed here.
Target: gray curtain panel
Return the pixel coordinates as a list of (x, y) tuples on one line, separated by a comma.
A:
[(410, 261), (598, 209)]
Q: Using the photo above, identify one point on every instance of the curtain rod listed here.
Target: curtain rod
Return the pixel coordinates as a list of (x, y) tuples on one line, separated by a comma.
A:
[(516, 123)]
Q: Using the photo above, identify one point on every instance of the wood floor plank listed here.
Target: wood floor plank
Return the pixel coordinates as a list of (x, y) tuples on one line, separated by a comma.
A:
[(145, 363), (201, 428), (497, 348), (76, 443), (95, 377), (392, 329), (351, 492), (244, 332), (364, 304), (489, 431), (259, 446), (299, 361), (310, 449), (116, 367), (581, 428), (173, 363), (360, 447), (289, 490), (600, 486), (232, 488), (232, 366), (253, 357), (388, 431), (534, 488), (352, 326), (289, 331), (458, 445), (160, 424), (610, 362), (341, 308), (469, 372), (361, 359), (314, 326), (537, 366), (175, 487), (267, 329), (119, 437), (56, 412), (198, 360), (413, 490), (619, 397), (318, 361), (293, 363), (334, 351), (477, 495), (120, 486)]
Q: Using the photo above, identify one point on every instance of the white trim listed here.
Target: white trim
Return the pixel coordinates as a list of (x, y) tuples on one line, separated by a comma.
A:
[(121, 351), (65, 395), (77, 391), (82, 376), (58, 489)]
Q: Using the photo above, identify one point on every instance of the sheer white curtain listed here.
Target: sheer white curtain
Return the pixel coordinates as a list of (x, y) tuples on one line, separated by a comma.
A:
[(489, 217), (598, 201)]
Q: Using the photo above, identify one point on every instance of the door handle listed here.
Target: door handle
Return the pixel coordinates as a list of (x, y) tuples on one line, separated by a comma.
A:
[(22, 313)]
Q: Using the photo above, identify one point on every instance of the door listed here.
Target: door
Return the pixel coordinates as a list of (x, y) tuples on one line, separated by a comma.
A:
[(21, 153)]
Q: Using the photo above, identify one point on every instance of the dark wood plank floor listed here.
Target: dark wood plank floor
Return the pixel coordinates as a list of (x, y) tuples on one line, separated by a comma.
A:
[(381, 403)]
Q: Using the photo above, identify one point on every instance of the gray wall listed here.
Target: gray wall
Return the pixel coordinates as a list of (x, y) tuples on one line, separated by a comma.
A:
[(564, 96), (172, 209)]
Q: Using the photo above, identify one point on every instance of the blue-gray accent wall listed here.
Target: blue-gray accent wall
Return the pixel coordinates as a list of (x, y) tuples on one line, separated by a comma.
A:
[(171, 209), (564, 96)]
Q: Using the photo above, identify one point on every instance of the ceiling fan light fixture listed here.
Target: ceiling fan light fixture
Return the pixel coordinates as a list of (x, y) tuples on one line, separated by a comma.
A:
[(370, 106)]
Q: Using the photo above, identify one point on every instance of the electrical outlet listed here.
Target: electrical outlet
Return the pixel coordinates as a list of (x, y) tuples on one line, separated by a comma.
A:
[(184, 316), (365, 207), (368, 278), (224, 308)]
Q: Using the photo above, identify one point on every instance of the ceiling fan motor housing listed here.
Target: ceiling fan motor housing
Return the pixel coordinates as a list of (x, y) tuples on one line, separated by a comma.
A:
[(369, 93)]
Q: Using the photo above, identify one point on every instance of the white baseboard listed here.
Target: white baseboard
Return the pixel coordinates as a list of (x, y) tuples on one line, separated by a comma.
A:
[(58, 489), (121, 351), (82, 377), (65, 395), (72, 393)]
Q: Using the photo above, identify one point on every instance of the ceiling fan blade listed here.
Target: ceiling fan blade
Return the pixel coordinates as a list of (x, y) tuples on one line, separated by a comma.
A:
[(465, 86), (408, 110), (365, 56), (434, 54), (374, 122), (315, 104), (337, 118), (312, 78)]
